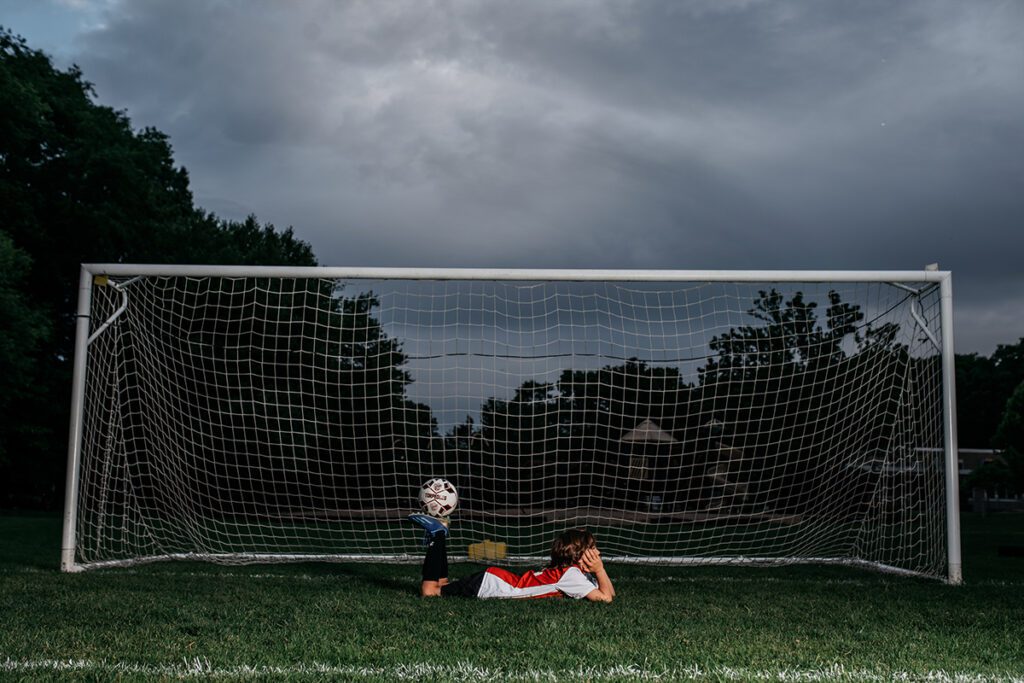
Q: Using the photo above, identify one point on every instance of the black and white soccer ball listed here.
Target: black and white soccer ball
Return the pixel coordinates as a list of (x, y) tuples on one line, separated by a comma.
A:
[(438, 498)]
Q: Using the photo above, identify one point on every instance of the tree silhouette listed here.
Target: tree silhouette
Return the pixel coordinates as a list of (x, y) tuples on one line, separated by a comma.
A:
[(559, 443), (78, 184), (289, 400), (25, 329), (1010, 437), (792, 390), (983, 386)]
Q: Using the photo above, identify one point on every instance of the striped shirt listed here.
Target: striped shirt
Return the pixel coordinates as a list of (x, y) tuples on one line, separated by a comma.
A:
[(544, 583)]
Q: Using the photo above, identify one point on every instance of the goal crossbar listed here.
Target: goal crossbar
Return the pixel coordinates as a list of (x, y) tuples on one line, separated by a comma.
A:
[(518, 274)]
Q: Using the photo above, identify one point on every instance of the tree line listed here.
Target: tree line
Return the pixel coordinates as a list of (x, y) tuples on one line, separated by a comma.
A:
[(777, 411), (801, 414), (79, 184)]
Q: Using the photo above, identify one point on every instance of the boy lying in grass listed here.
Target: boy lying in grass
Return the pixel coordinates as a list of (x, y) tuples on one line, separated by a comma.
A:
[(575, 570)]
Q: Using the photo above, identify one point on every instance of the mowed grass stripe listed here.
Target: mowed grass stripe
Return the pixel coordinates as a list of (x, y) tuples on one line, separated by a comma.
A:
[(466, 671)]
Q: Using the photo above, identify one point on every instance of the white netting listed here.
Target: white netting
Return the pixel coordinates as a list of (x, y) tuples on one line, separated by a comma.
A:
[(243, 419)]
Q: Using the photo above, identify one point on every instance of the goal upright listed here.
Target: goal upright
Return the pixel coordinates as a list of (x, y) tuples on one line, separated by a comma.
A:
[(256, 414)]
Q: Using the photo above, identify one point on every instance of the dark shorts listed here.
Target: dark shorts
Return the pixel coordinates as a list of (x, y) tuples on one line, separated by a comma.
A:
[(468, 587)]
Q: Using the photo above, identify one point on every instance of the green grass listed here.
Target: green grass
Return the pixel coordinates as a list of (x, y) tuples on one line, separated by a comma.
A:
[(365, 622)]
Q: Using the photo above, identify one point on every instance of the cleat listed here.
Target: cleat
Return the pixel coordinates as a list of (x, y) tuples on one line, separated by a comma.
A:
[(432, 525)]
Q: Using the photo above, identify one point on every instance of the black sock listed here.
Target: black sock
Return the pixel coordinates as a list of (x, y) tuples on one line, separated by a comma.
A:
[(435, 564)]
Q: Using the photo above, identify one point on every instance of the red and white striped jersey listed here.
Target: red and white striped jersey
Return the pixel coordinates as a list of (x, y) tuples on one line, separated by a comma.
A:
[(544, 583)]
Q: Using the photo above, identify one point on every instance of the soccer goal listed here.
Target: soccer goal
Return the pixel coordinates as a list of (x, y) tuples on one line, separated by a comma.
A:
[(259, 414)]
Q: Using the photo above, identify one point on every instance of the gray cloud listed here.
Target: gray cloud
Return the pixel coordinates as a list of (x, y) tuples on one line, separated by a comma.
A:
[(704, 134)]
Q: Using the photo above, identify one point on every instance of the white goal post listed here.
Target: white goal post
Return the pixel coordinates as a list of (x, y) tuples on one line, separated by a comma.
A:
[(244, 414)]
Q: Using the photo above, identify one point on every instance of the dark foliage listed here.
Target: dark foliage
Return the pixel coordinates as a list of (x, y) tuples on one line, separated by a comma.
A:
[(983, 386), (79, 185), (280, 399), (1006, 473), (788, 415)]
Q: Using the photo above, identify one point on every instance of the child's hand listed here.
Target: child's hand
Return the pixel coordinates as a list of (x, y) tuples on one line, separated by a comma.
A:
[(591, 561)]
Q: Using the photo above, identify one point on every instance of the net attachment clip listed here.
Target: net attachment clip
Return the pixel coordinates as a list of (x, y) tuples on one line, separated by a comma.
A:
[(915, 306), (122, 288)]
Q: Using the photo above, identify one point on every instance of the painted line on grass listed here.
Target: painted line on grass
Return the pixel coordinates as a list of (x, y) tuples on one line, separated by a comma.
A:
[(467, 671)]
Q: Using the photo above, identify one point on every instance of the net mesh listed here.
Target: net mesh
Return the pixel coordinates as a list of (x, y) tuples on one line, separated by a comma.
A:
[(254, 419)]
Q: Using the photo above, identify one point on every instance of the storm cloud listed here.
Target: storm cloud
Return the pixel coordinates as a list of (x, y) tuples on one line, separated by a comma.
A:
[(727, 134)]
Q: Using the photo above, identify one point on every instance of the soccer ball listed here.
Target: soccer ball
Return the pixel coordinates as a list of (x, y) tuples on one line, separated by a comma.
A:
[(438, 498)]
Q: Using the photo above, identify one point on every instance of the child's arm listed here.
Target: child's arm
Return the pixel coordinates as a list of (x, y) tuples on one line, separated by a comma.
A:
[(592, 562)]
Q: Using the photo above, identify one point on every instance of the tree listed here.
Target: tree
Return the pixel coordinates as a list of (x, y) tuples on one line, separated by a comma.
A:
[(789, 339), (983, 386), (764, 375), (603, 406), (616, 398), (22, 330), (292, 379), (559, 441), (1010, 437), (765, 384), (78, 184), (522, 434)]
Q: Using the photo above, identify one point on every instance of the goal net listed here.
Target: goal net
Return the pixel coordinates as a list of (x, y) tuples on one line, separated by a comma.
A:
[(271, 414)]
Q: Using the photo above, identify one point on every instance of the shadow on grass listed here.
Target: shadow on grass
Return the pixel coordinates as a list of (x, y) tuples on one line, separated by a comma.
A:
[(372, 575)]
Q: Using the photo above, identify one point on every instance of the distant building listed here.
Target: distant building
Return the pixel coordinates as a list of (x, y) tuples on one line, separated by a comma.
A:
[(971, 459), (644, 446), (647, 432)]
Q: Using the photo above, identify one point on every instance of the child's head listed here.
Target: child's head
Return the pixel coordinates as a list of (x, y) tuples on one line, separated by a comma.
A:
[(568, 547)]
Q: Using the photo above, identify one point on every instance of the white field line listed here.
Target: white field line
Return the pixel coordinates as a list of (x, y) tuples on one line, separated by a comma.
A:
[(467, 671), (340, 576)]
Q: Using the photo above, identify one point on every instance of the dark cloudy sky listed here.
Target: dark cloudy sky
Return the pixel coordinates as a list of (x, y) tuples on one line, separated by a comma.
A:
[(685, 134)]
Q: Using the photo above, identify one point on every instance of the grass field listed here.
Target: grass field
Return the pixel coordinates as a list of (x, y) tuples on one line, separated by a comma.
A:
[(365, 622)]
